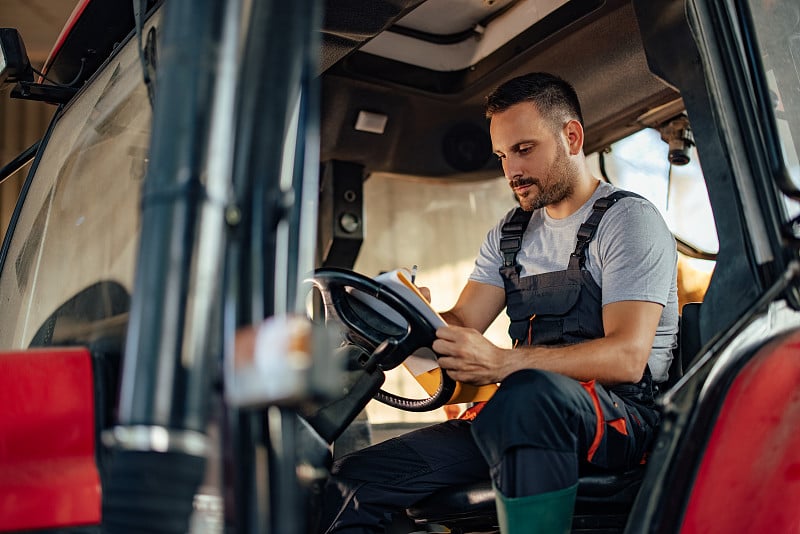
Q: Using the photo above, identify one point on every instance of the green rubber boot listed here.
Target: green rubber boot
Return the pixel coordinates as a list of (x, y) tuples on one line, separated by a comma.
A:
[(545, 513)]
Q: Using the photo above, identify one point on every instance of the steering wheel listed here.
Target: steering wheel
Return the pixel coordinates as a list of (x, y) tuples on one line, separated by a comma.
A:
[(390, 330)]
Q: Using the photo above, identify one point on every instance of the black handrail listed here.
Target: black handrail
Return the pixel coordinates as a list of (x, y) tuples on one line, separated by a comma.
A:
[(20, 161), (160, 442)]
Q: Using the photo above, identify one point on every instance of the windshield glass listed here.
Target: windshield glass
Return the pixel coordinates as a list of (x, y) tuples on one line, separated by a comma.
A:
[(439, 226), (73, 247)]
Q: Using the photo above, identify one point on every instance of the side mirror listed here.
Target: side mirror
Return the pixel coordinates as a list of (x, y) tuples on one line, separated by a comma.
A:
[(14, 63)]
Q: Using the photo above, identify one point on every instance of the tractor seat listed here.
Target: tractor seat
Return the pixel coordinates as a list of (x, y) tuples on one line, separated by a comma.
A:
[(603, 502)]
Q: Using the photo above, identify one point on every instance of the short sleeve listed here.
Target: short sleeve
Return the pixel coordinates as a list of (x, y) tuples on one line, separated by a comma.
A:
[(490, 259), (637, 253)]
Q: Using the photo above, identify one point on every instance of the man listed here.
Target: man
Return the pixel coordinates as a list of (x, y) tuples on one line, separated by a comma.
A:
[(588, 279)]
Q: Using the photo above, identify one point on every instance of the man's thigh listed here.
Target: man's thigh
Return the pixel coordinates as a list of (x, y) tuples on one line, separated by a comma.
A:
[(547, 411)]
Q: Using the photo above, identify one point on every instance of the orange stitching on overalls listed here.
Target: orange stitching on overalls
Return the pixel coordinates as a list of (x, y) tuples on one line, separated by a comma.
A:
[(600, 427), (530, 327), (472, 412), (619, 425)]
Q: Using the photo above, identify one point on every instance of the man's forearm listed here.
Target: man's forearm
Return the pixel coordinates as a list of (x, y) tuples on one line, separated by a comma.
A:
[(618, 357), (604, 359), (451, 318)]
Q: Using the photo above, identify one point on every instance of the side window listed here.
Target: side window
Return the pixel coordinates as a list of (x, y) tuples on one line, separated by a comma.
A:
[(777, 30), (639, 163), (79, 223)]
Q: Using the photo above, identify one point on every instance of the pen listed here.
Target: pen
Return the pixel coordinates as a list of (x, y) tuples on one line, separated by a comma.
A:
[(413, 273)]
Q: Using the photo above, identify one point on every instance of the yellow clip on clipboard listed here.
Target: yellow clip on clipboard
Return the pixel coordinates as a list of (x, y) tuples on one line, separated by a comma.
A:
[(463, 393)]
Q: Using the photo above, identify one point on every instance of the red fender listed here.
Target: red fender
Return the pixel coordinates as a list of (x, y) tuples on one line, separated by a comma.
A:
[(48, 469), (749, 478)]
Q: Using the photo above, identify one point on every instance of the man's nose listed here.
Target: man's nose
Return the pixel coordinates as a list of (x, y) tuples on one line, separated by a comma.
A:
[(511, 168)]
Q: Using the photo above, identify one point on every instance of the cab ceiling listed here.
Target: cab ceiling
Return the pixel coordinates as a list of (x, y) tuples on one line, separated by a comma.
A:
[(434, 118)]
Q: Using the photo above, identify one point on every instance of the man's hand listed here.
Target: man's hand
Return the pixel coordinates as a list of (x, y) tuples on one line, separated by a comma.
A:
[(426, 292), (468, 357)]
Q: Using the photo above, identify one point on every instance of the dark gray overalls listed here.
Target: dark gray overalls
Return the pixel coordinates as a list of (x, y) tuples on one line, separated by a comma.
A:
[(552, 416), (533, 433)]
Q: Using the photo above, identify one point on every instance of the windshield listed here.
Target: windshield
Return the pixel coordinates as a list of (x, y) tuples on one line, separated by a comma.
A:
[(439, 226), (75, 242)]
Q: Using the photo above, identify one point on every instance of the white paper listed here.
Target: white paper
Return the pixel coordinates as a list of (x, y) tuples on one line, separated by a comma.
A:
[(399, 280)]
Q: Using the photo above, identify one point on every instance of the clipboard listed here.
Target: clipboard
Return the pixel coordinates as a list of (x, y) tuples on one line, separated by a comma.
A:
[(422, 364)]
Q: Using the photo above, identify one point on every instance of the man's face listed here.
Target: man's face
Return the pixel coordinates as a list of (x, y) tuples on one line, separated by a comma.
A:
[(535, 159)]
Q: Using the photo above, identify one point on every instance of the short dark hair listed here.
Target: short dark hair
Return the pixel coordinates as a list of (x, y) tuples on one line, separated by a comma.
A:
[(553, 97)]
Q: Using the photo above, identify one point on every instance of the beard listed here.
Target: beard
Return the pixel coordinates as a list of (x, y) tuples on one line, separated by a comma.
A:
[(559, 183)]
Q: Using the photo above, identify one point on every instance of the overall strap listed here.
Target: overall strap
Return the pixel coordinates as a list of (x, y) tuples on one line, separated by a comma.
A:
[(511, 236), (587, 229)]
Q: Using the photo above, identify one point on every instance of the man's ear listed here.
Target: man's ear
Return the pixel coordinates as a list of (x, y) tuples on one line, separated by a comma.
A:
[(573, 131)]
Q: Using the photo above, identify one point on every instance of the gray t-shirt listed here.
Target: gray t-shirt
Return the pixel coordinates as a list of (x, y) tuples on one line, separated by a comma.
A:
[(632, 257)]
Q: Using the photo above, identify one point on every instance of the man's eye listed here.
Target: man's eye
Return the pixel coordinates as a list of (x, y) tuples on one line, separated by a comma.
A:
[(525, 150)]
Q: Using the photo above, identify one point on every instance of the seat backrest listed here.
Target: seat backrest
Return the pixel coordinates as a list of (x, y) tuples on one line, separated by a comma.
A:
[(689, 342)]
